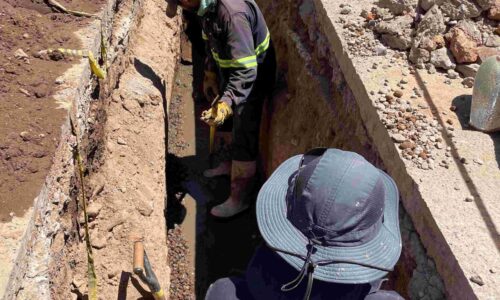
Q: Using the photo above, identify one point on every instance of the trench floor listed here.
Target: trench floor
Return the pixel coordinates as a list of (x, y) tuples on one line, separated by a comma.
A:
[(216, 248)]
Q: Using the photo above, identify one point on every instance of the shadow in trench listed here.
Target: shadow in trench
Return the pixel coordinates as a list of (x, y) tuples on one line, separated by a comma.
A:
[(463, 117)]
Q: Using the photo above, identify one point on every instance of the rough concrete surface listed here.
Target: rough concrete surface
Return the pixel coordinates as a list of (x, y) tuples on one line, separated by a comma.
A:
[(450, 194)]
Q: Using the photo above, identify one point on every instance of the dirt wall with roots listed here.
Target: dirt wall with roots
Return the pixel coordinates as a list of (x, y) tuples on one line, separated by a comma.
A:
[(315, 106), (121, 125)]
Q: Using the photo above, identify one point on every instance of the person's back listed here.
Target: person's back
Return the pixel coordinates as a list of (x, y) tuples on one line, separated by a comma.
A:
[(330, 225)]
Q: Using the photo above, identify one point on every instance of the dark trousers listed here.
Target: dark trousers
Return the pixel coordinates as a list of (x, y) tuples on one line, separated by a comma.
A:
[(247, 115)]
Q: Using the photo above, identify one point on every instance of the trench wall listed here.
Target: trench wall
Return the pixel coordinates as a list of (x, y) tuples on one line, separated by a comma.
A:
[(321, 102), (52, 252)]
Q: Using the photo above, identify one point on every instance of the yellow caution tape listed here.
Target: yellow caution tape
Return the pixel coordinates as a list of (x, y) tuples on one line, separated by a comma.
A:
[(91, 275), (94, 66)]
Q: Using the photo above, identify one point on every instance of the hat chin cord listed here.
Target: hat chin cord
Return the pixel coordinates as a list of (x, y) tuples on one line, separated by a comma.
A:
[(309, 267)]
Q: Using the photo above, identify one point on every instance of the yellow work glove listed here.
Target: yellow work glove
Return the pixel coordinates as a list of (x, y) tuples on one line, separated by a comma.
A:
[(216, 115), (210, 86)]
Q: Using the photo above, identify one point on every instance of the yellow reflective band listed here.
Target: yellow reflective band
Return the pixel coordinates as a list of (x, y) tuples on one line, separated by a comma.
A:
[(204, 36), (262, 47), (245, 62)]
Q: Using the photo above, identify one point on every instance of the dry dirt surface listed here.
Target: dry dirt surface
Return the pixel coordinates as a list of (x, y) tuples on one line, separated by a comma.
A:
[(30, 121)]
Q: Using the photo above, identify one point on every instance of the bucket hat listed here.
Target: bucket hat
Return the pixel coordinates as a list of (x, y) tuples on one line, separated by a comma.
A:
[(332, 216)]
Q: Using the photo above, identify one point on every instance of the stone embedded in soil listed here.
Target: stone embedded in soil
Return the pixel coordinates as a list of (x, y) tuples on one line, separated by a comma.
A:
[(398, 93), (56, 55), (452, 74), (407, 145), (24, 91), (121, 141), (99, 242), (477, 280)]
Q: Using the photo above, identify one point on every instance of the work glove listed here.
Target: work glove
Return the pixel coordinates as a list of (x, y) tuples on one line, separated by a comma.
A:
[(216, 115), (210, 85)]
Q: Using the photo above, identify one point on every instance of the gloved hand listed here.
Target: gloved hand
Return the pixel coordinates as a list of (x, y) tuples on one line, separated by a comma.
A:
[(210, 86), (217, 115)]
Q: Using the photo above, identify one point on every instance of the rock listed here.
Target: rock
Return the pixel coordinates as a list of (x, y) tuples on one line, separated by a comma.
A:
[(453, 108), (431, 69), (25, 136), (399, 7), (485, 52), (400, 42), (121, 141), (449, 121), (418, 55), (427, 4), (494, 12), (442, 58), (432, 24), (468, 82), (346, 10), (462, 46), (396, 33), (398, 138), (145, 208), (439, 145), (20, 54), (56, 55), (117, 219), (469, 70), (470, 29), (477, 280), (485, 4), (41, 91), (478, 161), (492, 41), (380, 50), (452, 74), (94, 209), (26, 36), (461, 9), (398, 93), (428, 44), (407, 145)]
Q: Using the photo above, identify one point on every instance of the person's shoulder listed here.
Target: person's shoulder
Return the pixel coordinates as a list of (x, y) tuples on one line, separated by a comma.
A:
[(229, 8)]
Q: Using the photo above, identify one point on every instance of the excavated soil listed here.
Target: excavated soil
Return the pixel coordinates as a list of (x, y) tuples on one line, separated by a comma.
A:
[(30, 120)]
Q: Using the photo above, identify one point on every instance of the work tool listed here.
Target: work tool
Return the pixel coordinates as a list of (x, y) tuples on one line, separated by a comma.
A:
[(142, 268), (212, 130)]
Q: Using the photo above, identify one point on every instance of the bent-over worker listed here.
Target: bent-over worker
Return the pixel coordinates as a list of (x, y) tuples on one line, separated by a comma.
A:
[(241, 55)]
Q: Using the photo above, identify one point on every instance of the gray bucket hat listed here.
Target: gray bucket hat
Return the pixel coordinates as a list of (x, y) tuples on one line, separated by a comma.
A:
[(331, 215)]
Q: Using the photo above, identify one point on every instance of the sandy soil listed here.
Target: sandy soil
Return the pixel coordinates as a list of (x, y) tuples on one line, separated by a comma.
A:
[(30, 121)]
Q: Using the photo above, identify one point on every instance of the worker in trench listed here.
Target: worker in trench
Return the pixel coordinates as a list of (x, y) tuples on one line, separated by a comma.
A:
[(239, 74), (329, 220)]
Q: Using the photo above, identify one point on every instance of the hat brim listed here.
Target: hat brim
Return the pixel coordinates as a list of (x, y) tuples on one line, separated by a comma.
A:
[(278, 232)]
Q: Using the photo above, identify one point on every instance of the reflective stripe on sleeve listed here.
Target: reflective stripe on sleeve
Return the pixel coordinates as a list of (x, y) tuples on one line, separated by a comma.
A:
[(204, 36)]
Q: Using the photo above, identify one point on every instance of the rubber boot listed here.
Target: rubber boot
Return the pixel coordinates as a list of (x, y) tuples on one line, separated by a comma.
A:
[(242, 176), (224, 168)]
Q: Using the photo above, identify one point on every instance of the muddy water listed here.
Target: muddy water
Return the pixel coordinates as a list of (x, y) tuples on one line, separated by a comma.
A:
[(216, 248)]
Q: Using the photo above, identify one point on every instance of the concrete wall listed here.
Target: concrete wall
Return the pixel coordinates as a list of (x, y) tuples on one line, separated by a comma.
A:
[(318, 107)]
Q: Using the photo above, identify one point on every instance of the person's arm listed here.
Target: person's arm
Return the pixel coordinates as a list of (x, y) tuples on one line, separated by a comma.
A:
[(238, 60), (209, 60)]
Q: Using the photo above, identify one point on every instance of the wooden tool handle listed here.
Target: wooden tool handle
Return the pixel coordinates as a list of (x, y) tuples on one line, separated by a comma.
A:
[(138, 257)]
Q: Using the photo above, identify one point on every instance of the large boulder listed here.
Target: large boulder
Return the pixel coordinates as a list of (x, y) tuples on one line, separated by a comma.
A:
[(432, 24), (464, 48), (398, 7), (461, 9)]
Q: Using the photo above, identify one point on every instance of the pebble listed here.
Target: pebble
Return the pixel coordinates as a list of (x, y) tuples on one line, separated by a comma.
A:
[(468, 82), (59, 80), (469, 199), (439, 145), (94, 209), (464, 160), (477, 280), (398, 138), (121, 141), (25, 136), (478, 161), (26, 36), (380, 50), (345, 11), (398, 93), (452, 74), (453, 108)]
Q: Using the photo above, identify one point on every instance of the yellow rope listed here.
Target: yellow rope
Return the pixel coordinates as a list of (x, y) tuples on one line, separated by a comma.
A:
[(91, 274)]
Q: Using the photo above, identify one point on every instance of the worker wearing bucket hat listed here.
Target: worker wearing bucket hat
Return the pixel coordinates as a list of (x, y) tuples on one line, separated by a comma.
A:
[(329, 220)]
